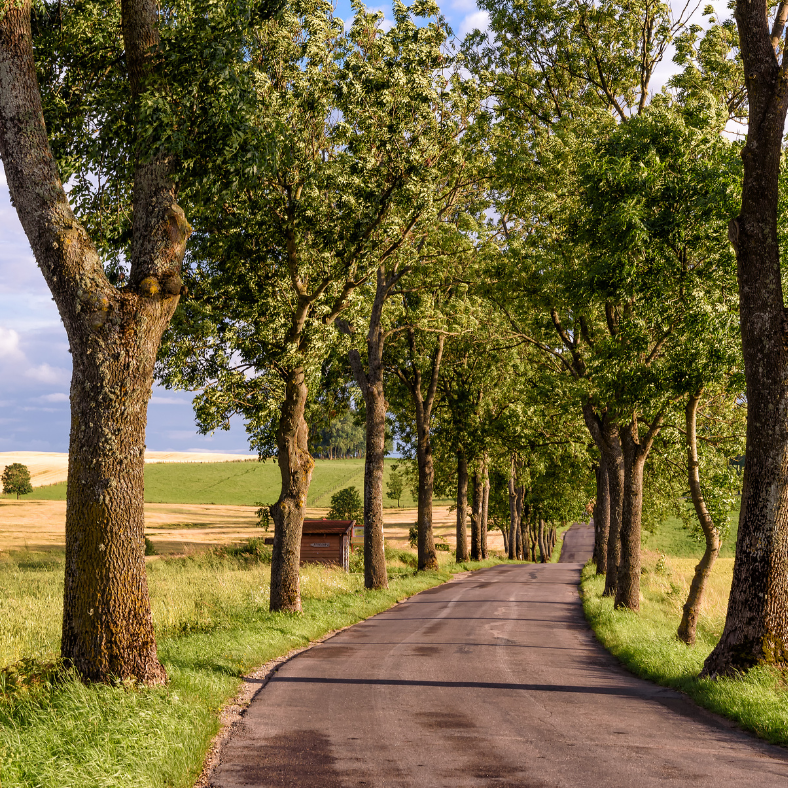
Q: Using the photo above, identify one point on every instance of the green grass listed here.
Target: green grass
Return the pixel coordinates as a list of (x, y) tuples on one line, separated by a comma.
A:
[(238, 483), (213, 625), (646, 642)]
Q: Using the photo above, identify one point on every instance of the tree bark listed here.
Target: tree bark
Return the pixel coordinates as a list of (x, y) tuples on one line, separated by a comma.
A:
[(485, 506), (476, 514), (689, 619), (371, 384), (462, 507), (756, 626), (635, 454), (606, 435), (114, 336), (513, 524), (542, 545), (295, 467), (520, 501), (601, 517)]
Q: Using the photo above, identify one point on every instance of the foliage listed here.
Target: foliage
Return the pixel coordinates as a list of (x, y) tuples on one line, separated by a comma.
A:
[(395, 485), (150, 549), (263, 514), (346, 504), (16, 479)]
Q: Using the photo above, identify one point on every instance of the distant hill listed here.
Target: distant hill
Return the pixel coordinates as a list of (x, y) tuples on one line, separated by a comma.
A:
[(237, 483)]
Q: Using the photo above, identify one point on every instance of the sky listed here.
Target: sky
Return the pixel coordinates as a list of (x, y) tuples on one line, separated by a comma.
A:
[(35, 366)]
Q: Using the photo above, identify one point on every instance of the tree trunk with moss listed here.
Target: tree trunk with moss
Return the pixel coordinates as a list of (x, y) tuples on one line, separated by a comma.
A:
[(756, 626), (689, 620), (295, 468), (114, 336)]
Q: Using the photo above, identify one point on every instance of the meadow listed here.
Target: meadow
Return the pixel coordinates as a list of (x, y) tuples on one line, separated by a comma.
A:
[(646, 642), (239, 483)]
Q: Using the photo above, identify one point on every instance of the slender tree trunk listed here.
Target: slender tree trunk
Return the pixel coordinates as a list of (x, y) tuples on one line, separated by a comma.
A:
[(756, 626), (689, 620), (370, 382), (114, 336), (295, 467), (513, 524), (505, 535), (601, 517), (485, 506), (635, 455), (542, 548), (476, 514), (428, 558), (520, 503), (462, 507), (525, 530)]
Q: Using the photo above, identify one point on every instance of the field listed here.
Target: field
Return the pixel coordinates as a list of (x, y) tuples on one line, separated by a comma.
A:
[(647, 644), (237, 483)]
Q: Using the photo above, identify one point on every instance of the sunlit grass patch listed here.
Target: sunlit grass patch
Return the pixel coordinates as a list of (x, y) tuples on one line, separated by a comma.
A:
[(646, 643)]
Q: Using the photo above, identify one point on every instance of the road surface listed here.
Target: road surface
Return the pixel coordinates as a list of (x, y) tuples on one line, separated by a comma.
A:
[(493, 679)]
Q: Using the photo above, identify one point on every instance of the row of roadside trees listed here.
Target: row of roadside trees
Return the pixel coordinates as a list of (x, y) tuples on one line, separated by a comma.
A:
[(512, 247)]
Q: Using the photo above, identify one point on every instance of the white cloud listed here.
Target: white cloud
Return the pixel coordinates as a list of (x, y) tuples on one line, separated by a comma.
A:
[(44, 373), (478, 20), (58, 397), (9, 344), (169, 401)]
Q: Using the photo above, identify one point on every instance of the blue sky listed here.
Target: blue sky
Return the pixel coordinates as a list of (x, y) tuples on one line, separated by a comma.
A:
[(35, 366)]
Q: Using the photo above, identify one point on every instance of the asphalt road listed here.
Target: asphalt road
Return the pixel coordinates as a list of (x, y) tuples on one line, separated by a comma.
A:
[(493, 679)]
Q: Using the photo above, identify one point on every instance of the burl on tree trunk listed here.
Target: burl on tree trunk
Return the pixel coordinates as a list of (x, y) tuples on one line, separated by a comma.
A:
[(689, 619), (295, 467), (756, 626), (114, 335)]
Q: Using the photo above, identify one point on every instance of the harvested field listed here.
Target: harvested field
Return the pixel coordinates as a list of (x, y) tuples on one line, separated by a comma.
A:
[(188, 528)]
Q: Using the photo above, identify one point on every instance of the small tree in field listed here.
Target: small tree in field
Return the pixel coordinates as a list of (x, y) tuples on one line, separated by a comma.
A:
[(16, 479), (395, 486), (346, 505)]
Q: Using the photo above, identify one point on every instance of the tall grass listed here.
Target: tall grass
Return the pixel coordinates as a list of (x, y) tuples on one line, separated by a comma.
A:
[(213, 624)]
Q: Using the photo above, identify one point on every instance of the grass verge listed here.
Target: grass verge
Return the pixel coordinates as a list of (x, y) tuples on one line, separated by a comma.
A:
[(213, 625), (647, 644)]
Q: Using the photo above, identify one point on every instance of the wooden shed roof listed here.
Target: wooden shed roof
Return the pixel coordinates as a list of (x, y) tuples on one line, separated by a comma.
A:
[(327, 526)]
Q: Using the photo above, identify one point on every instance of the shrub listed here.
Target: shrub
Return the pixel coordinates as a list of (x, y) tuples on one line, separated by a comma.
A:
[(149, 548), (263, 515), (346, 505), (413, 535)]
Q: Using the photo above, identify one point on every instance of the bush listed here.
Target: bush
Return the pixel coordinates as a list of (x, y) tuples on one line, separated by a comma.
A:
[(346, 505), (413, 535), (149, 548), (442, 546), (357, 560), (254, 550), (263, 515)]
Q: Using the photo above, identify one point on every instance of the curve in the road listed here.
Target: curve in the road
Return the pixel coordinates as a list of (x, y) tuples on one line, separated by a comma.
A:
[(493, 679)]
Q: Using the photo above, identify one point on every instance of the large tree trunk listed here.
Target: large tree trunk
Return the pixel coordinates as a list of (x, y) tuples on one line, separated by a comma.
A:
[(485, 506), (462, 507), (476, 514), (756, 626), (371, 384), (635, 455), (601, 516), (689, 620), (295, 467), (114, 336)]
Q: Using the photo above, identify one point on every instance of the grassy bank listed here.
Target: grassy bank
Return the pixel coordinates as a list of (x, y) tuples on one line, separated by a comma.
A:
[(239, 483), (646, 642), (213, 625)]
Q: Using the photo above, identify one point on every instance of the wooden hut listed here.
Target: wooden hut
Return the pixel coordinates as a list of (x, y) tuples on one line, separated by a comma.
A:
[(327, 542)]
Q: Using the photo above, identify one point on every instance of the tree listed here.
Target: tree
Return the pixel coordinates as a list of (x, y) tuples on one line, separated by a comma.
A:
[(113, 332), (16, 479), (395, 486), (346, 505), (325, 188), (756, 625)]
